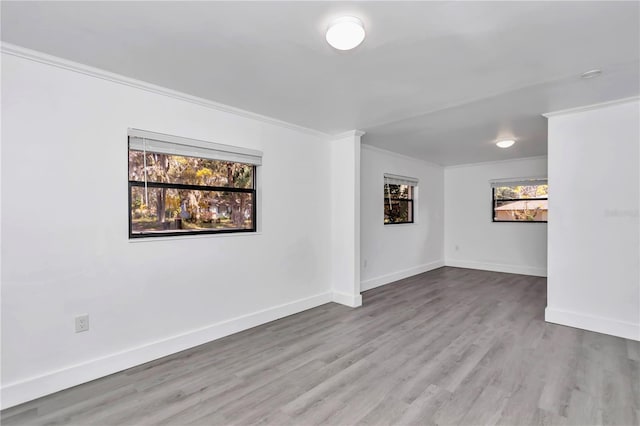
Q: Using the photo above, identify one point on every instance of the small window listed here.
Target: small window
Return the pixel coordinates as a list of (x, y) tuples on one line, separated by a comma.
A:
[(191, 187), (524, 200), (399, 199)]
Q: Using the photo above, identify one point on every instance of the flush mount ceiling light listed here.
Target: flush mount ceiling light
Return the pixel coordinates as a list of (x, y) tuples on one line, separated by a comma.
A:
[(506, 143), (345, 33), (591, 74)]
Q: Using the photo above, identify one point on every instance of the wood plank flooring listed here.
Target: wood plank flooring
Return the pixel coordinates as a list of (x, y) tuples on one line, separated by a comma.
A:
[(450, 346)]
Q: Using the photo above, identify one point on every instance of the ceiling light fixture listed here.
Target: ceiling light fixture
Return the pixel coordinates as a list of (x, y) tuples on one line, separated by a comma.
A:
[(345, 33), (591, 74), (505, 143)]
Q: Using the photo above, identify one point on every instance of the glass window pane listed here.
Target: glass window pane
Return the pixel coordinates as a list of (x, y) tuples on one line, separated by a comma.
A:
[(189, 170), (521, 192), (189, 210), (522, 210), (398, 211), (398, 191)]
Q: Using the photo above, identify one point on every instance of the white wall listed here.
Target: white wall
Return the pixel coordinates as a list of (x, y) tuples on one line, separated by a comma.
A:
[(65, 244), (594, 220), (345, 218), (391, 252), (472, 239)]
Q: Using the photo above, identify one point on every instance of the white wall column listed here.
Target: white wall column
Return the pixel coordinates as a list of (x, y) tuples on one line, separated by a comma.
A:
[(594, 224), (345, 218)]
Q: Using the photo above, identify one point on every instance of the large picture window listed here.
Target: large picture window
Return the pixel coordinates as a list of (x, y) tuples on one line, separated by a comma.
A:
[(399, 192), (524, 200), (181, 186)]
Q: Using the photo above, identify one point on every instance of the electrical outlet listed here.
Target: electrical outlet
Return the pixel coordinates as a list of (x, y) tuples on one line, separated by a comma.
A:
[(365, 263), (82, 323), (457, 247)]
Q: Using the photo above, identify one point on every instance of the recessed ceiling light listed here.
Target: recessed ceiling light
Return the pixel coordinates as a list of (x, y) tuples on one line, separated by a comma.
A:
[(345, 33), (591, 74), (506, 143)]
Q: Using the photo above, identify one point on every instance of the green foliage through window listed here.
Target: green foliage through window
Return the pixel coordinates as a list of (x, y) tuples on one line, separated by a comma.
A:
[(173, 194), (398, 204), (520, 203)]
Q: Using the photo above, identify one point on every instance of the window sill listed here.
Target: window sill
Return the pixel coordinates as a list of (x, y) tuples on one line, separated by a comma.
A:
[(520, 221), (194, 236), (392, 225)]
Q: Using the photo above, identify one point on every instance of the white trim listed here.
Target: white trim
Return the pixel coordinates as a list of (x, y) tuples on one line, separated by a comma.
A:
[(591, 107), (350, 300), (194, 236), (21, 52), (348, 134), (624, 329), (498, 267), (398, 275), (398, 155), (396, 225), (488, 163), (53, 381)]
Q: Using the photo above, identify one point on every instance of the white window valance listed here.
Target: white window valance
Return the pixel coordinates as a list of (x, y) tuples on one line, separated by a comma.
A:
[(391, 179), (143, 140), (531, 181)]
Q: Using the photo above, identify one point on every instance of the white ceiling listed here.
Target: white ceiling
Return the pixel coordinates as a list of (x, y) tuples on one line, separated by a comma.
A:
[(434, 80)]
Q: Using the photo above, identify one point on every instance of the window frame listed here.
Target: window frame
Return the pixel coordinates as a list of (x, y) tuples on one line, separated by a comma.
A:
[(252, 191), (493, 207), (411, 202)]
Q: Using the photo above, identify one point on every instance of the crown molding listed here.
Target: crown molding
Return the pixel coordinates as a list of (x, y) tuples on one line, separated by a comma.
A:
[(488, 163), (348, 134), (43, 58), (591, 106), (398, 155)]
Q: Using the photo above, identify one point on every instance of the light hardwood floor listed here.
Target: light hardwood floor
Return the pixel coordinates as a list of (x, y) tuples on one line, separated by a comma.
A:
[(450, 346)]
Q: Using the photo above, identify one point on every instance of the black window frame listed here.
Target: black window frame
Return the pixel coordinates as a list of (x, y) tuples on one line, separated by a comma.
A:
[(252, 191), (410, 201), (493, 208)]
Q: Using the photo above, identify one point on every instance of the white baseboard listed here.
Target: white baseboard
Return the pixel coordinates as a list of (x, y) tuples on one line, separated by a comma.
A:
[(627, 330), (350, 300), (497, 267), (35, 387), (398, 275)]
